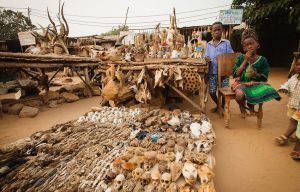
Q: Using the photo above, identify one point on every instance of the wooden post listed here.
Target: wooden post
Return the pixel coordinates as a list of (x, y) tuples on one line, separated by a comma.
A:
[(87, 81), (186, 98)]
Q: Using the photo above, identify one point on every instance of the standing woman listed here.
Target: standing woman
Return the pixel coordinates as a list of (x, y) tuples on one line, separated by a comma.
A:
[(251, 73)]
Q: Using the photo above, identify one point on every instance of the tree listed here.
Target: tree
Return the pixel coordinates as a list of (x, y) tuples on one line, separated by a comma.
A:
[(258, 12), (116, 31), (11, 23)]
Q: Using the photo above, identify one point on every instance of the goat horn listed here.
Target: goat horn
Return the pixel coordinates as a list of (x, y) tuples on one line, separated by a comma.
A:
[(64, 19), (119, 41), (53, 24)]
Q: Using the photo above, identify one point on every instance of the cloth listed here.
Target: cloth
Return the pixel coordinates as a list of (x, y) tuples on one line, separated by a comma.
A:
[(292, 113), (213, 51), (260, 92), (293, 87), (213, 82)]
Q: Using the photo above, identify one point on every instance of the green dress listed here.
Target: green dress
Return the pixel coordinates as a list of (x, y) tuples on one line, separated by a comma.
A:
[(261, 91)]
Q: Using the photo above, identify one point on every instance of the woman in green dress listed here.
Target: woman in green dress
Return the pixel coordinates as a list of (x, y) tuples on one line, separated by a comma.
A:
[(251, 75)]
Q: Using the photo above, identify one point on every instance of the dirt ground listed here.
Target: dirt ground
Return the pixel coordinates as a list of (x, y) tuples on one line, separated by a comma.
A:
[(247, 158)]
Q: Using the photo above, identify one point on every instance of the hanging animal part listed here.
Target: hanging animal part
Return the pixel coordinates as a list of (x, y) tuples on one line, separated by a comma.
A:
[(144, 84), (191, 79), (115, 89), (59, 41)]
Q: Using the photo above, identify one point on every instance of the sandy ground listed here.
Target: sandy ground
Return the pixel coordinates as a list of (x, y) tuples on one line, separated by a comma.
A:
[(247, 158)]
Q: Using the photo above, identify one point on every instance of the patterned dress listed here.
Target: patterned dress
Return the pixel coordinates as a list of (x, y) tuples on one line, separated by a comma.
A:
[(261, 91)]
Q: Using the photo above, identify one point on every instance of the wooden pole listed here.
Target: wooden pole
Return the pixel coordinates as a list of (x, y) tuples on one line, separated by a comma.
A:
[(126, 18), (186, 98), (88, 86)]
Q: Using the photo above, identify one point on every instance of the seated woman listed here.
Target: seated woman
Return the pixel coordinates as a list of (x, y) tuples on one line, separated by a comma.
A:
[(251, 74)]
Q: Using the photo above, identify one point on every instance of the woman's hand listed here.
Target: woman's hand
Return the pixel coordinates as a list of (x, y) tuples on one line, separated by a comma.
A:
[(248, 55), (281, 90)]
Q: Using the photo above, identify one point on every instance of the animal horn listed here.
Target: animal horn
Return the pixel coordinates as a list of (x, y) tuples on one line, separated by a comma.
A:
[(64, 19), (53, 24), (119, 41)]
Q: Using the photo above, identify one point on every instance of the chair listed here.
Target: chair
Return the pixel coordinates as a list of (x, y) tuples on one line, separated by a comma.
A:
[(225, 65)]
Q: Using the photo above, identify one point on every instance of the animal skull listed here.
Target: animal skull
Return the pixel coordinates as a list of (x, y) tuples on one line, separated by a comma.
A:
[(155, 177), (165, 180), (137, 174), (128, 186), (147, 165), (189, 173), (118, 182), (146, 178)]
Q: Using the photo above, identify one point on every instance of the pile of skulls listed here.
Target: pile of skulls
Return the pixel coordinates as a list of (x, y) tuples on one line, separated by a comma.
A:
[(168, 152), (154, 151), (112, 115)]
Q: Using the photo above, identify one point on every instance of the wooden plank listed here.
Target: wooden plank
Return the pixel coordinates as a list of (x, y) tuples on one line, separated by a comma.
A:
[(43, 65), (33, 56)]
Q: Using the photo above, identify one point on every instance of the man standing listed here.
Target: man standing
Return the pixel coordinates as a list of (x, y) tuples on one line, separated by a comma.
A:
[(214, 48)]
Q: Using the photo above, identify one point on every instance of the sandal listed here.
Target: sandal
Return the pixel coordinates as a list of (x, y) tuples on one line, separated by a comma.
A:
[(293, 139), (281, 140), (295, 155)]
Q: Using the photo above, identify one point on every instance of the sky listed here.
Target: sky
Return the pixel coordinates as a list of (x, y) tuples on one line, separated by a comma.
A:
[(91, 17)]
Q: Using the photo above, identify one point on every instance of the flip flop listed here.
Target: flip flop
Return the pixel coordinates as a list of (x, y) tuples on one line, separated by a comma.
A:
[(295, 155), (281, 140)]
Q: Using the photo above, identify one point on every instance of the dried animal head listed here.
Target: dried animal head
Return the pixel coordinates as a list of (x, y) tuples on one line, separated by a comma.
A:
[(175, 169), (205, 174), (189, 173)]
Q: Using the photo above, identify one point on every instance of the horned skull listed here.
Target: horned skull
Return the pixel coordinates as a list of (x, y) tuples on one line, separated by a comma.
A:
[(189, 172), (165, 180)]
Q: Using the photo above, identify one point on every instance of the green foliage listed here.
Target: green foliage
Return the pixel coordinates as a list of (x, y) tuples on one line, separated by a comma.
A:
[(11, 23), (116, 31), (257, 12)]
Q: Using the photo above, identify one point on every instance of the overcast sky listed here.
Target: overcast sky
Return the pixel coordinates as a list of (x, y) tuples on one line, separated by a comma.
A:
[(87, 17)]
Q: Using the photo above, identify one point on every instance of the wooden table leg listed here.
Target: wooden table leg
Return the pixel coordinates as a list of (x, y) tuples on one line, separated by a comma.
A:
[(220, 110), (227, 112), (259, 116)]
